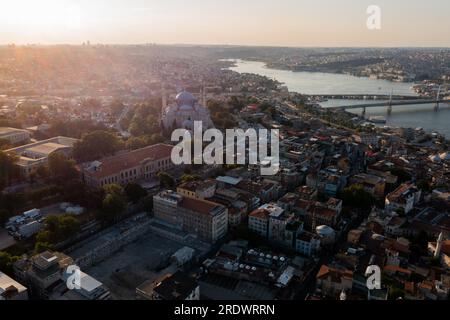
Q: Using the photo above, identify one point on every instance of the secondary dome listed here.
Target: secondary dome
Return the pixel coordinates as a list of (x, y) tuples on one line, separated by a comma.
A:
[(325, 231), (185, 99)]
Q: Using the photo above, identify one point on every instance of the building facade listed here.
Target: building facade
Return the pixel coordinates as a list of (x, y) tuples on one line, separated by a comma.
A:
[(35, 155), (205, 219), (124, 168), (14, 136)]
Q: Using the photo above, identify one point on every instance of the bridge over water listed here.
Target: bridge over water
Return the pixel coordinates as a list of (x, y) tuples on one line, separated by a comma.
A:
[(394, 101)]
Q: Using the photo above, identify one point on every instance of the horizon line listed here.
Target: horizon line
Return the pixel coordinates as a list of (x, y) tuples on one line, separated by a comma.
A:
[(55, 44)]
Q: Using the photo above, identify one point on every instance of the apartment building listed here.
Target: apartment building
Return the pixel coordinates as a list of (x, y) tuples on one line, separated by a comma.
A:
[(404, 197), (205, 219), (42, 272), (198, 189), (373, 184)]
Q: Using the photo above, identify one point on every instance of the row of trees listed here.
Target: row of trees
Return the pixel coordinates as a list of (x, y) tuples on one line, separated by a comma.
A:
[(8, 170), (143, 119), (96, 145), (6, 262), (57, 229), (134, 143), (220, 115)]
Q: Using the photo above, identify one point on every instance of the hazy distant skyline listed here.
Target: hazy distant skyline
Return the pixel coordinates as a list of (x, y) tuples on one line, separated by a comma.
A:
[(297, 23)]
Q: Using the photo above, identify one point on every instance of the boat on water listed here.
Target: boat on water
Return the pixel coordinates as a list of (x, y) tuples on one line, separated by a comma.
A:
[(377, 119)]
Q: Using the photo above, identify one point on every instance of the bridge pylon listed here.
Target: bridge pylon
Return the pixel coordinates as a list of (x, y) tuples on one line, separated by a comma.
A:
[(389, 108), (436, 106), (363, 113)]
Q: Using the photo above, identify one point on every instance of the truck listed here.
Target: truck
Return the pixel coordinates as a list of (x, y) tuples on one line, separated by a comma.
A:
[(29, 229), (32, 214)]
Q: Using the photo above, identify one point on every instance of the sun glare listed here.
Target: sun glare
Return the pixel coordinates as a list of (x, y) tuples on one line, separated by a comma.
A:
[(43, 15)]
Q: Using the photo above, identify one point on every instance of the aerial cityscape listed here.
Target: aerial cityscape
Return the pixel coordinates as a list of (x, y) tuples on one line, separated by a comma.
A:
[(138, 169)]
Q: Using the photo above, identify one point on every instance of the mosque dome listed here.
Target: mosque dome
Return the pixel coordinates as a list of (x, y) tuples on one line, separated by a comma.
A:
[(185, 99), (325, 231)]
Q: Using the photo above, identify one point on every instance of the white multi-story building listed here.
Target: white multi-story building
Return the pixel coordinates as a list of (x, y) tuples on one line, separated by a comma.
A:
[(404, 197), (14, 136), (205, 219), (258, 221)]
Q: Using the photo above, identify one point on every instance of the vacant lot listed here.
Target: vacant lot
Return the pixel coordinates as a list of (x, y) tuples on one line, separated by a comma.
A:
[(137, 262)]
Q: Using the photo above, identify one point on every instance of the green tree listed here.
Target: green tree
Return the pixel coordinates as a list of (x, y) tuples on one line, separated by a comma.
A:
[(116, 107), (58, 229), (355, 196), (154, 139), (6, 262), (43, 172), (96, 145), (135, 192), (40, 247), (112, 207), (113, 204), (61, 169), (134, 143), (4, 144), (147, 203), (189, 177), (166, 180), (402, 175), (7, 169)]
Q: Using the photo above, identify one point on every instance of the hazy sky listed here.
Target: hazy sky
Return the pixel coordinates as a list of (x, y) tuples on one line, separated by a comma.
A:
[(243, 22)]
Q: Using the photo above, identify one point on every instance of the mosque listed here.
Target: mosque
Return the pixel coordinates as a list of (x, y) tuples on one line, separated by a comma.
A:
[(182, 113)]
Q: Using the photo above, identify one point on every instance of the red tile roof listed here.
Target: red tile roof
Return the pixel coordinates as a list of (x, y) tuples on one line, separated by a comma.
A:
[(260, 213), (116, 164), (335, 274), (200, 206)]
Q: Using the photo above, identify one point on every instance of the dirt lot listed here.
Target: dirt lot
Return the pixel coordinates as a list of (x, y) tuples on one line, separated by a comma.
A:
[(135, 263)]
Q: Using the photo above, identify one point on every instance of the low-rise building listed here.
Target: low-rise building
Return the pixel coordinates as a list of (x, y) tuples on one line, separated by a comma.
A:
[(404, 197), (178, 286), (14, 136), (373, 184), (34, 155), (127, 167), (89, 289), (11, 289), (42, 272), (198, 189), (332, 281)]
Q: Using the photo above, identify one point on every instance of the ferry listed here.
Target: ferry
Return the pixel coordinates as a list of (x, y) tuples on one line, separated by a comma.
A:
[(377, 119)]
